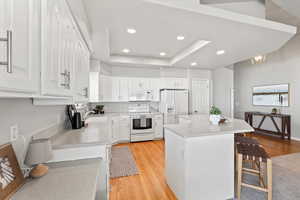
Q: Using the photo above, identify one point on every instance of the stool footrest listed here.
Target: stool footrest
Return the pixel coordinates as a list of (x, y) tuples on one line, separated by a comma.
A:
[(255, 187)]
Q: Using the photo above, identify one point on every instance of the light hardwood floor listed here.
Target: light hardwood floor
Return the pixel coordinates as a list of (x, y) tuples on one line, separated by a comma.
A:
[(150, 184)]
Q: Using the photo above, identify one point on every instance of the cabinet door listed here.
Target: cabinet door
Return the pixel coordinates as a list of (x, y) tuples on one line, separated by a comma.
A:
[(115, 126), (124, 89), (105, 88), (155, 88), (56, 52), (124, 134), (158, 126), (115, 92), (81, 81), (22, 19)]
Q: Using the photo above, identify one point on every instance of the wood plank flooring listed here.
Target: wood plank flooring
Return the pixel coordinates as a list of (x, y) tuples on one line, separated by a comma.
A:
[(150, 184)]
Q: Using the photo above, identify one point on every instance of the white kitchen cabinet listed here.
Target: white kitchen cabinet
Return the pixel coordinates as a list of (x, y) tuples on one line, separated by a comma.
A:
[(21, 18), (138, 87), (120, 128), (82, 63), (158, 126), (58, 49), (155, 88), (124, 89), (115, 91), (115, 128), (105, 87), (175, 83), (124, 128)]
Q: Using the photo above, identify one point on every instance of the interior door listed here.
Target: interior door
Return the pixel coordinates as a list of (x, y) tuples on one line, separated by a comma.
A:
[(200, 96), (21, 19)]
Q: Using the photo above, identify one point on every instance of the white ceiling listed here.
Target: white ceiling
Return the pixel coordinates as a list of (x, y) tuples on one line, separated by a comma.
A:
[(159, 22)]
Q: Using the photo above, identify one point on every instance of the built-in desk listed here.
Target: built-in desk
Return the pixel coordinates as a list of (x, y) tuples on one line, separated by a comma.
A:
[(284, 132), (69, 180)]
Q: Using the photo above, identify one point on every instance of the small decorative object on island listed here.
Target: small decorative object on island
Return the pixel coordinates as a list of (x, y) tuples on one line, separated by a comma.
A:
[(215, 115), (274, 111), (39, 151), (99, 109), (11, 177)]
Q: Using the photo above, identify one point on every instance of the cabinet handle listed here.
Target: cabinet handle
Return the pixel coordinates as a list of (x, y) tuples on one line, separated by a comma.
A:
[(86, 92), (67, 78), (8, 41)]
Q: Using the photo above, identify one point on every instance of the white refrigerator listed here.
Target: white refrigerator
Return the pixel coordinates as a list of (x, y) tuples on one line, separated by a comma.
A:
[(173, 102)]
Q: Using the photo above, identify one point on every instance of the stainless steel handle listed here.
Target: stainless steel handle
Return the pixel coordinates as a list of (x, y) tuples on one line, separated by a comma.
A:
[(86, 90), (67, 79), (8, 41)]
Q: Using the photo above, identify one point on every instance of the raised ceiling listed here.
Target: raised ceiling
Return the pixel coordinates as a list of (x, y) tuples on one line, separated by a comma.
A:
[(159, 22)]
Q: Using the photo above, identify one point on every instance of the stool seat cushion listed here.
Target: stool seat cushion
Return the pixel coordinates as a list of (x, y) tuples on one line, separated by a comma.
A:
[(245, 140), (252, 152)]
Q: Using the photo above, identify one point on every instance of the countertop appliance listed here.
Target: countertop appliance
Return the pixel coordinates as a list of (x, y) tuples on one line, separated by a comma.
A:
[(141, 122), (173, 102), (74, 117)]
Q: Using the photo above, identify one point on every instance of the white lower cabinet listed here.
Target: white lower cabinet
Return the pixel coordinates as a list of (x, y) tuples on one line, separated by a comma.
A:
[(158, 126), (120, 128)]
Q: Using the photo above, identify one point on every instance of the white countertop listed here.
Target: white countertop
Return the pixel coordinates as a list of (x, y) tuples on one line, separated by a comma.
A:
[(97, 133), (200, 126), (72, 180)]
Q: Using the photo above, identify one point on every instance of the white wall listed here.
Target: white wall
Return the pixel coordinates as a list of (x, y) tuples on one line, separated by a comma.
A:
[(29, 119), (222, 87), (282, 66), (253, 8)]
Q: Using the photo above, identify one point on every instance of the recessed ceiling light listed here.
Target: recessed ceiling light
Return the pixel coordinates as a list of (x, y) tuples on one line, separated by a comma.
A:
[(162, 53), (180, 37), (220, 52), (193, 64), (126, 50), (131, 30)]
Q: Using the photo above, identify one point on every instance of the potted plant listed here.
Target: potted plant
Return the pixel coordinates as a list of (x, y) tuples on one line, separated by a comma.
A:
[(99, 109), (215, 115)]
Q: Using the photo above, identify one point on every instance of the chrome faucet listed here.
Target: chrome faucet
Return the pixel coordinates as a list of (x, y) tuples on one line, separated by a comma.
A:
[(87, 114)]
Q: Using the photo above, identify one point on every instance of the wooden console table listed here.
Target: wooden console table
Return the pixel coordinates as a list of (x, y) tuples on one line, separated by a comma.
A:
[(284, 132)]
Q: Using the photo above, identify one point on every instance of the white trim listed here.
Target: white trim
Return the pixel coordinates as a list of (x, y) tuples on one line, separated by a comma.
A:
[(295, 138)]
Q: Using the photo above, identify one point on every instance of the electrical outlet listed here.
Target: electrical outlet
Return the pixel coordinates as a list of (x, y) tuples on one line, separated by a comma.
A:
[(26, 171), (14, 132)]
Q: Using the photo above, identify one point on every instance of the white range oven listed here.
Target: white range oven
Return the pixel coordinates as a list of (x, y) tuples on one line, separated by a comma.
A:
[(141, 127)]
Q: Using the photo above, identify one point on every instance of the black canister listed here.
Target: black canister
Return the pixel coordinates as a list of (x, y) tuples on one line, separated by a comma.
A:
[(76, 122)]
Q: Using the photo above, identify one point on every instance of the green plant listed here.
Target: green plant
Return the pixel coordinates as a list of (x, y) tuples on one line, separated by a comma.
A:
[(99, 107), (215, 111)]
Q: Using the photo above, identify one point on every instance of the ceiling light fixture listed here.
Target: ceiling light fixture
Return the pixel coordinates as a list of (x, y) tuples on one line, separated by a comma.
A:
[(180, 37), (131, 30), (220, 52), (126, 50), (162, 54), (258, 59), (193, 64)]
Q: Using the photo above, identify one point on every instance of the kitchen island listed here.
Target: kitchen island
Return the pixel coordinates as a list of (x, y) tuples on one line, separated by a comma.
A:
[(200, 157)]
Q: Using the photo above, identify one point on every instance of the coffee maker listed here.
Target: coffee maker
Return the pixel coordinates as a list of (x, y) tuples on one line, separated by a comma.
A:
[(74, 117)]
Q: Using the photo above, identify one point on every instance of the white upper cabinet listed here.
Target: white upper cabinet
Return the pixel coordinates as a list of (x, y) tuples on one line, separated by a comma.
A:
[(124, 89), (155, 87), (82, 63), (105, 87), (19, 32), (58, 49), (175, 83)]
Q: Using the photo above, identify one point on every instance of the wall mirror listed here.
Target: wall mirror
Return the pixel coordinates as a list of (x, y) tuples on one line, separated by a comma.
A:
[(271, 95)]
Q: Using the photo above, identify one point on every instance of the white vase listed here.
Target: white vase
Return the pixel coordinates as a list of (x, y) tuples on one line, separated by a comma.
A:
[(214, 119)]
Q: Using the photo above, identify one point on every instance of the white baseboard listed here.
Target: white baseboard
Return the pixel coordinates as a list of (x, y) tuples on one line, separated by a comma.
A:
[(295, 138)]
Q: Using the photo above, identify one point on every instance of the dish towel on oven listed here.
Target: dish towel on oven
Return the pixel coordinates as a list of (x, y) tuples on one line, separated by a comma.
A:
[(143, 122)]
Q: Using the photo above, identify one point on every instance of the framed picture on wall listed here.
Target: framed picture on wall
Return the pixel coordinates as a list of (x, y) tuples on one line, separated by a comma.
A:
[(11, 177)]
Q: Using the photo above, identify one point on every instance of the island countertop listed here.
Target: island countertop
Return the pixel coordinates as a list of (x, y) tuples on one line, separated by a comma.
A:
[(199, 126)]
